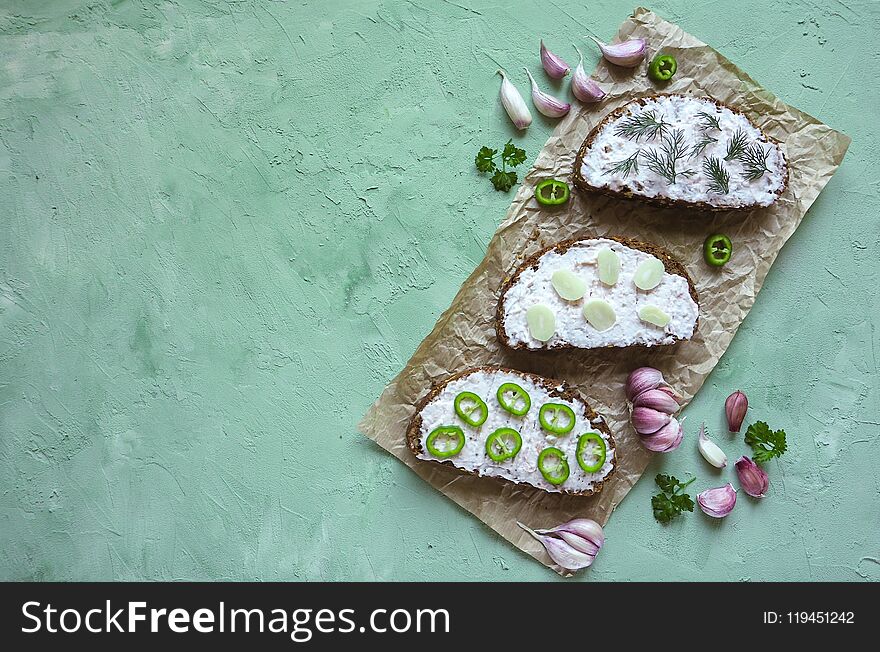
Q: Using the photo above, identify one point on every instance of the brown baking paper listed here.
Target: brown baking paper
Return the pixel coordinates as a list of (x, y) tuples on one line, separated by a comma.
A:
[(464, 335)]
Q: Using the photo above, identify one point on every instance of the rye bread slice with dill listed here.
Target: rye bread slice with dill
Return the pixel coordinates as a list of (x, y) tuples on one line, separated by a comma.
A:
[(682, 151)]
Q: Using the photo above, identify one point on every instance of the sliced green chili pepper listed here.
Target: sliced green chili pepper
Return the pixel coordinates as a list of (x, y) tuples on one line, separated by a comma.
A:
[(503, 444), (551, 192), (471, 409), (553, 465), (445, 441), (556, 418), (591, 451), (514, 399), (717, 249), (662, 67)]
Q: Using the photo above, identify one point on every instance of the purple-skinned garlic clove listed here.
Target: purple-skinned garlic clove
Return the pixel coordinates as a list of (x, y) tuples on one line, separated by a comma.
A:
[(735, 408), (752, 478), (584, 88), (665, 440), (553, 65), (717, 502), (641, 380), (547, 104), (561, 551), (657, 400), (647, 421), (583, 534), (627, 54)]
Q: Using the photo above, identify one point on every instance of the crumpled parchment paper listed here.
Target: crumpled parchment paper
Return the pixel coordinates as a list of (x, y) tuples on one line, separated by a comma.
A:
[(464, 335)]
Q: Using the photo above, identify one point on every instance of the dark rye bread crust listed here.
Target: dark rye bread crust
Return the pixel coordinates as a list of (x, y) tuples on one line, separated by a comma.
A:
[(566, 393), (672, 265), (666, 202)]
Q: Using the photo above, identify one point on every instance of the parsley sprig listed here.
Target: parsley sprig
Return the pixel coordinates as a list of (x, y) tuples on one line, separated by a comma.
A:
[(766, 443), (670, 502), (503, 179)]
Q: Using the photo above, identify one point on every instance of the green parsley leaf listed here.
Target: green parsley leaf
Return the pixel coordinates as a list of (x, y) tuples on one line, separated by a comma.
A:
[(683, 503), (667, 483), (503, 181), (484, 159), (670, 503), (766, 443), (513, 155)]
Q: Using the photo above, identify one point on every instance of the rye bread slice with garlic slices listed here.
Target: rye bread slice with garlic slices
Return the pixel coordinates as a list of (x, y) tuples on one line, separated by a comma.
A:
[(682, 151), (554, 424), (594, 293)]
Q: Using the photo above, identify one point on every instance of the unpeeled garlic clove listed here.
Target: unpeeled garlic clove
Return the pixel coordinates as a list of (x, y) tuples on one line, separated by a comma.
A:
[(666, 389), (547, 104), (582, 87), (553, 64), (560, 551), (752, 478), (647, 421), (626, 54), (735, 408), (718, 502), (514, 103), (656, 400), (641, 380), (710, 450), (584, 534), (665, 440)]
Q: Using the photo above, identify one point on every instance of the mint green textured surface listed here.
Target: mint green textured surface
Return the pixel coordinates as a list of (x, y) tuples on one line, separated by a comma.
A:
[(227, 225)]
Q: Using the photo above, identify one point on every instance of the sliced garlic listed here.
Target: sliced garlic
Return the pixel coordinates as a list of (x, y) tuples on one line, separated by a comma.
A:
[(609, 266), (600, 314), (649, 274), (653, 315), (541, 321), (568, 285)]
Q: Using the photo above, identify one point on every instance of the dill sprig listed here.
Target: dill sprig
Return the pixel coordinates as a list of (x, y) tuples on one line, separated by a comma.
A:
[(701, 144), (736, 146), (708, 121), (664, 161), (719, 178), (627, 165), (754, 161), (645, 123)]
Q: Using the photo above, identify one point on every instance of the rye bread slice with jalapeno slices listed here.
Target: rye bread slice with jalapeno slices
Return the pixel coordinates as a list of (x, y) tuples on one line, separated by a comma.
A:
[(682, 151), (489, 450), (594, 293)]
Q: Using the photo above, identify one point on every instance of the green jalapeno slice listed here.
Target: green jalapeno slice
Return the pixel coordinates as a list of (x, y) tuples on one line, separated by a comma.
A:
[(553, 465), (556, 418), (503, 444), (552, 192), (471, 408), (717, 249), (591, 452), (662, 67), (445, 441), (514, 399)]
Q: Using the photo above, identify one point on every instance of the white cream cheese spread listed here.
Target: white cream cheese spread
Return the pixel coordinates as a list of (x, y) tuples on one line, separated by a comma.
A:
[(524, 467), (534, 286), (700, 122)]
